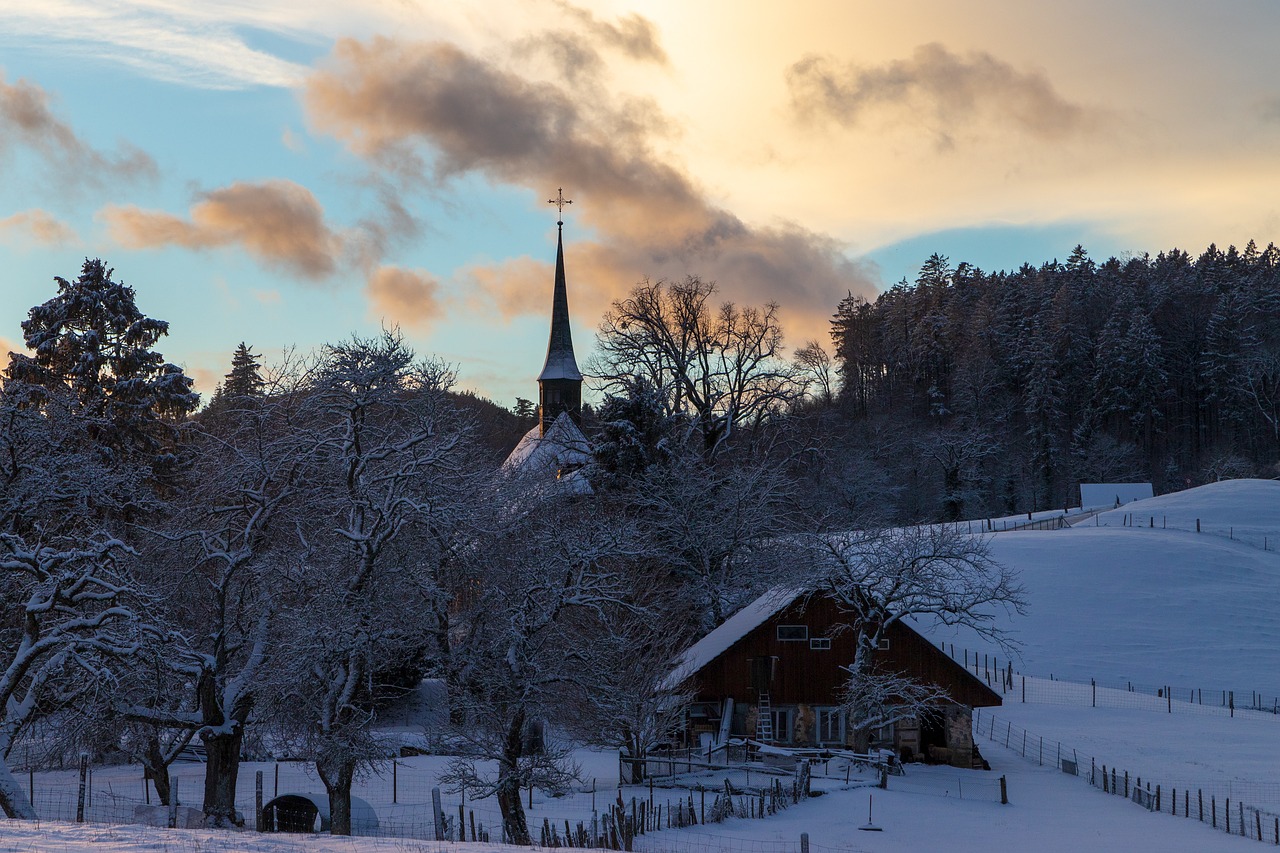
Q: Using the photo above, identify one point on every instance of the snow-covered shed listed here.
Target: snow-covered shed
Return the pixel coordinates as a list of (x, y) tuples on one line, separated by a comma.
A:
[(773, 672)]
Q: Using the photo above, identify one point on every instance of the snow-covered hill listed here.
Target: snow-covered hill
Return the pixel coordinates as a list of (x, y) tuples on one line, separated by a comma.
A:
[(1154, 604)]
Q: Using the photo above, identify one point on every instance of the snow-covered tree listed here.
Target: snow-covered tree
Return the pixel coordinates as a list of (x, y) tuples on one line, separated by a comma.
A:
[(384, 444), (93, 339), (715, 527), (553, 567), (879, 577), (73, 614)]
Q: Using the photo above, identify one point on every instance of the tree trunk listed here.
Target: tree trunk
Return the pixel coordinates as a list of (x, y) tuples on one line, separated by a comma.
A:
[(13, 799), (220, 774), (157, 770), (513, 818), (337, 777)]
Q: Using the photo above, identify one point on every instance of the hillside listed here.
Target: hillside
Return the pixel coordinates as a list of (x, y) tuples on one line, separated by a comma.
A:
[(1155, 605)]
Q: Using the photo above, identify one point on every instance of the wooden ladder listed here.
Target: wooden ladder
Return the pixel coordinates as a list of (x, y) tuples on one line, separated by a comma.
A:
[(764, 719)]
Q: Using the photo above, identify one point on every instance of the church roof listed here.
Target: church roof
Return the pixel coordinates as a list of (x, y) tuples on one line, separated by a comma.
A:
[(560, 363), (563, 447)]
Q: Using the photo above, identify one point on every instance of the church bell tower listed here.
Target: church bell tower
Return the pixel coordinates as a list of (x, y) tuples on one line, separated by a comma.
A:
[(560, 382)]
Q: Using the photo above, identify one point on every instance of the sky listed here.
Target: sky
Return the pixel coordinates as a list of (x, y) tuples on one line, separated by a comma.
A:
[(294, 172)]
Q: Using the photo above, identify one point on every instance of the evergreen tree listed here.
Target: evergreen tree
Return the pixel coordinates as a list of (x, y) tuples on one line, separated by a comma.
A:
[(245, 378), (92, 339)]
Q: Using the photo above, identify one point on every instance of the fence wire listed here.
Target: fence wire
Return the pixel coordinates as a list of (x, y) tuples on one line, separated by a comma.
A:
[(1238, 808)]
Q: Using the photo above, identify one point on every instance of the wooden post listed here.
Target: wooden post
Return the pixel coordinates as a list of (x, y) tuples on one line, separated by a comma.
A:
[(395, 780), (1004, 792), (173, 805), (1158, 798), (1232, 702), (1024, 690), (257, 801), (275, 791), (804, 842), (31, 786), (437, 814), (1168, 695), (84, 771), (1094, 685)]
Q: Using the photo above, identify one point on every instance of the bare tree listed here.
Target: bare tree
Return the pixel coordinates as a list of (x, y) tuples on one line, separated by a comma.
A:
[(816, 370), (715, 526), (554, 566), (722, 366), (632, 702), (74, 617), (383, 438), (880, 577)]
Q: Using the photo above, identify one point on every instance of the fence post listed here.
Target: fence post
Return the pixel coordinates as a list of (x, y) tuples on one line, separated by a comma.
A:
[(84, 770), (1168, 695), (395, 780), (804, 842), (1004, 792), (275, 791), (1094, 684), (437, 814), (173, 805), (1024, 690), (257, 801)]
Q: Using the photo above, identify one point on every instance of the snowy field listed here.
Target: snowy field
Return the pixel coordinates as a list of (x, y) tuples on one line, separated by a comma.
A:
[(1156, 606)]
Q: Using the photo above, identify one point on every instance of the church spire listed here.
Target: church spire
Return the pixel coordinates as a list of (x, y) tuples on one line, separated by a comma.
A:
[(560, 382)]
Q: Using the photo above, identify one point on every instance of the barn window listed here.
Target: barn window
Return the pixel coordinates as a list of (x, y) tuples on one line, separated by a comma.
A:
[(820, 644), (793, 633), (884, 645), (830, 725)]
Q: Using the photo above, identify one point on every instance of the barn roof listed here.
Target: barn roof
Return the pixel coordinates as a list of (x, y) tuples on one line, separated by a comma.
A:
[(733, 629)]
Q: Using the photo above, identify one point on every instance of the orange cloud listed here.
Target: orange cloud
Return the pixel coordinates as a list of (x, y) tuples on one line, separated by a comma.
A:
[(26, 119), (38, 225), (277, 221), (409, 297), (404, 105)]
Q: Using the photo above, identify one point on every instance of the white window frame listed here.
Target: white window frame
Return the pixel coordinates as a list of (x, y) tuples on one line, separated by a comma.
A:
[(820, 644)]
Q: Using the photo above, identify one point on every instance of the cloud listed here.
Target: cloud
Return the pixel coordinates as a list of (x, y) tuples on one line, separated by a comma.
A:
[(38, 225), (433, 106), (26, 119), (193, 44), (407, 296), (939, 88), (633, 35), (277, 221)]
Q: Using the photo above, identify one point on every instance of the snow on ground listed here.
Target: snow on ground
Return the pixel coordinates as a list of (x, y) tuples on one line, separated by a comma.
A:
[(1155, 606), (930, 808)]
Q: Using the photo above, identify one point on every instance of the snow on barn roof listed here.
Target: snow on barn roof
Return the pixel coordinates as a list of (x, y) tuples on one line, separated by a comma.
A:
[(733, 629)]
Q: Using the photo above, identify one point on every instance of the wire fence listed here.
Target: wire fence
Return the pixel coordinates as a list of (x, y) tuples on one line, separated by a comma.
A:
[(400, 801), (1246, 809), (1001, 675), (1258, 537)]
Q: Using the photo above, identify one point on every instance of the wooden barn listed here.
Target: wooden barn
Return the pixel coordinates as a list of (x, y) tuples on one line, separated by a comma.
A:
[(773, 672)]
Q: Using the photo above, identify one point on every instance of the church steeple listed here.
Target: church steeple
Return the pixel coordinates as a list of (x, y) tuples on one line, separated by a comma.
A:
[(560, 382)]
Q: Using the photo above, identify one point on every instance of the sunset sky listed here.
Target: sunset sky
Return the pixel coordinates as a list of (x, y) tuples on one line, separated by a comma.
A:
[(291, 172)]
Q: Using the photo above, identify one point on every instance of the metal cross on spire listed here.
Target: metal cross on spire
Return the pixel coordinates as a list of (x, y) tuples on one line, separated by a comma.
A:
[(560, 201)]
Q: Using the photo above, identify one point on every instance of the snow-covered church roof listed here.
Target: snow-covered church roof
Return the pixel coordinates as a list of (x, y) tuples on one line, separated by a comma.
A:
[(559, 453)]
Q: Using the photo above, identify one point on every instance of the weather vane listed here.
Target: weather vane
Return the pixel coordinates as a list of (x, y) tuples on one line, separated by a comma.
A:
[(560, 201)]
